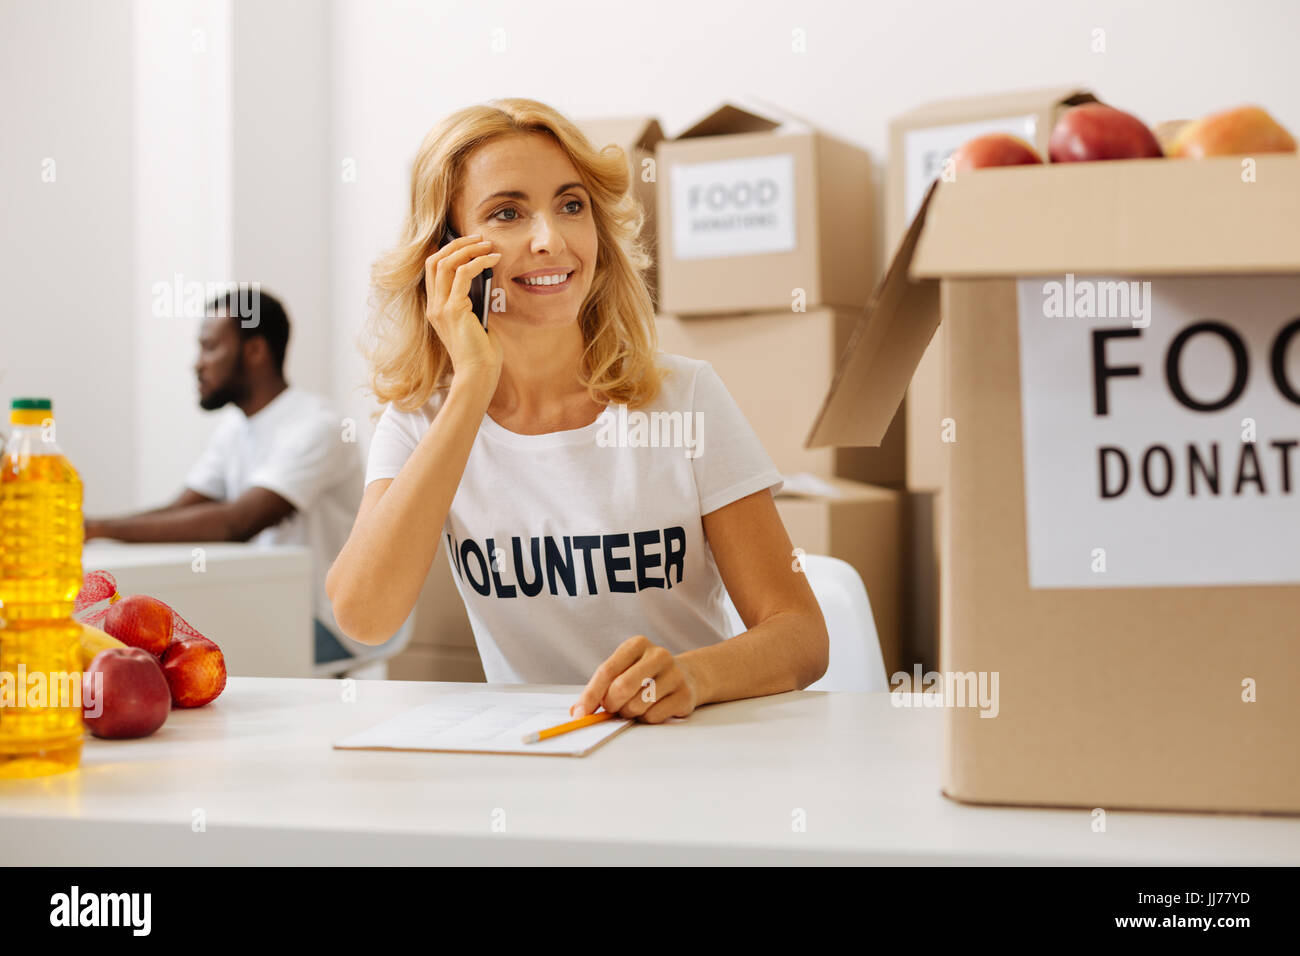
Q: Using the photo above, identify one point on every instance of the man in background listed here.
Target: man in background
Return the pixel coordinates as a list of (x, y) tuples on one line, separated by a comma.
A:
[(276, 471)]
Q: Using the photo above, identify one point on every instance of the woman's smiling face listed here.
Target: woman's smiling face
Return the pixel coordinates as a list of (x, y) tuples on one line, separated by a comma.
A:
[(523, 194)]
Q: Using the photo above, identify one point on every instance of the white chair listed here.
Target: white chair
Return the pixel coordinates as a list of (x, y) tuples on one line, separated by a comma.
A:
[(373, 664), (856, 662)]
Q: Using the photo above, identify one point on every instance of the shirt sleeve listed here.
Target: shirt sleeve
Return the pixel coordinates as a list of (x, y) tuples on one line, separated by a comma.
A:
[(730, 461), (390, 447), (306, 460), (207, 476)]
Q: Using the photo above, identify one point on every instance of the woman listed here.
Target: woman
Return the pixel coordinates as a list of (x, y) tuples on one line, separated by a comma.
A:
[(586, 546)]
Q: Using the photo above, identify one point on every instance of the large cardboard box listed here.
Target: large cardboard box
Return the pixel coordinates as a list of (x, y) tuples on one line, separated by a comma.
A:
[(778, 366), (860, 524), (920, 142), (637, 136), (1122, 498), (759, 213)]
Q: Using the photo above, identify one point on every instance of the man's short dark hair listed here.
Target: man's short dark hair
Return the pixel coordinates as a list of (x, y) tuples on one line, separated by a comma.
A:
[(256, 312)]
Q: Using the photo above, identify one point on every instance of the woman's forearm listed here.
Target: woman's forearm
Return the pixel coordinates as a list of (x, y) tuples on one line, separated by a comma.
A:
[(378, 574), (788, 651)]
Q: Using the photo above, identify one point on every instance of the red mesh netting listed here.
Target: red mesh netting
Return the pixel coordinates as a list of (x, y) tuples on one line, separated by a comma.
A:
[(98, 589)]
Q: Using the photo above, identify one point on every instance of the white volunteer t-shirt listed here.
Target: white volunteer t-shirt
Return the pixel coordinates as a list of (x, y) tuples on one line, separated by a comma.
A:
[(563, 545), (293, 446)]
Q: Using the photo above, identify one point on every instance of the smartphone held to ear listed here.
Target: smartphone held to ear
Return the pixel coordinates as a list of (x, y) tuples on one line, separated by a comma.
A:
[(480, 287)]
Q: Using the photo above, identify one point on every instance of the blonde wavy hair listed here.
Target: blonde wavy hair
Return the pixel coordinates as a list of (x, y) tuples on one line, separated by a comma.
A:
[(407, 361)]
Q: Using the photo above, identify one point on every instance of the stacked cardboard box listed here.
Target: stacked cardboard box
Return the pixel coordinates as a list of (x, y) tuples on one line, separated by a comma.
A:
[(1122, 500), (761, 214), (777, 366), (637, 136), (765, 252), (920, 142)]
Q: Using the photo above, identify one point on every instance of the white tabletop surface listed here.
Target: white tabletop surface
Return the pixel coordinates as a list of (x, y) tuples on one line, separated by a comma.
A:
[(253, 778)]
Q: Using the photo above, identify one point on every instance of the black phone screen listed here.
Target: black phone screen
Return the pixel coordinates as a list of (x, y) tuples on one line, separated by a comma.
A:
[(480, 287)]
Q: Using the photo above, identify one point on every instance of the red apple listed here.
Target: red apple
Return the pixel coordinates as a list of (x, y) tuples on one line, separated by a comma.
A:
[(994, 149), (195, 670), (140, 621), (1093, 131), (124, 694)]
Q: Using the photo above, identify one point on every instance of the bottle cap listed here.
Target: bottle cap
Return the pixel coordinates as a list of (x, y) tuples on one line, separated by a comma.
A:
[(31, 411)]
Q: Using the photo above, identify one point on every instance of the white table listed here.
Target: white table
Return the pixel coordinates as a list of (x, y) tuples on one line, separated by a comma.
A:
[(254, 601), (720, 787)]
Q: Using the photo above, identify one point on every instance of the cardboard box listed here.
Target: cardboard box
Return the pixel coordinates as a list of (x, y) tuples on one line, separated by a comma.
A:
[(862, 525), (1143, 636), (777, 366), (922, 548), (753, 208), (920, 142), (638, 136)]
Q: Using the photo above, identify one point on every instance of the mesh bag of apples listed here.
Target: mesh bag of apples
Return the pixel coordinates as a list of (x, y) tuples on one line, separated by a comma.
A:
[(1093, 131), (139, 658)]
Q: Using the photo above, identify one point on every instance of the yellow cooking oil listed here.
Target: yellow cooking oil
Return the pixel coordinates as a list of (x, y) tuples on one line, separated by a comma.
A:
[(41, 535)]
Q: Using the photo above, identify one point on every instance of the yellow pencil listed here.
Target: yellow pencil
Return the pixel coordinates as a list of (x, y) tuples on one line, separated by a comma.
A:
[(538, 735)]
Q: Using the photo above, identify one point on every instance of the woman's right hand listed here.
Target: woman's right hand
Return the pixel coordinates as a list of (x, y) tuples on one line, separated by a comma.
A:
[(474, 351)]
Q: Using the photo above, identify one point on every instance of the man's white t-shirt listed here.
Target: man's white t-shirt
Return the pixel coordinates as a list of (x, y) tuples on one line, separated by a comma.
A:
[(295, 446), (563, 545)]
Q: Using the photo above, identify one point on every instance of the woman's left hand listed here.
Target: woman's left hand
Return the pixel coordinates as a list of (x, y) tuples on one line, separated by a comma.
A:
[(641, 680)]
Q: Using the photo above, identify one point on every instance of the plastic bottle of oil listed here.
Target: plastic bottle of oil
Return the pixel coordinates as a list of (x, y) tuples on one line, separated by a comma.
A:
[(41, 534)]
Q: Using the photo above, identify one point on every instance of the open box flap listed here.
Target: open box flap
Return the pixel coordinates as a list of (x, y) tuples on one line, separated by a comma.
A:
[(728, 119), (882, 353)]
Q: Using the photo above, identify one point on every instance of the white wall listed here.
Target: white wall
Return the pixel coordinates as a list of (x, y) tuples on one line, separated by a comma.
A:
[(66, 324), (231, 126), (280, 201), (130, 101), (230, 138), (188, 140), (181, 221)]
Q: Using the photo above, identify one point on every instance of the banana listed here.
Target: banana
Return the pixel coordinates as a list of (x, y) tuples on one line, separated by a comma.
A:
[(93, 640)]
